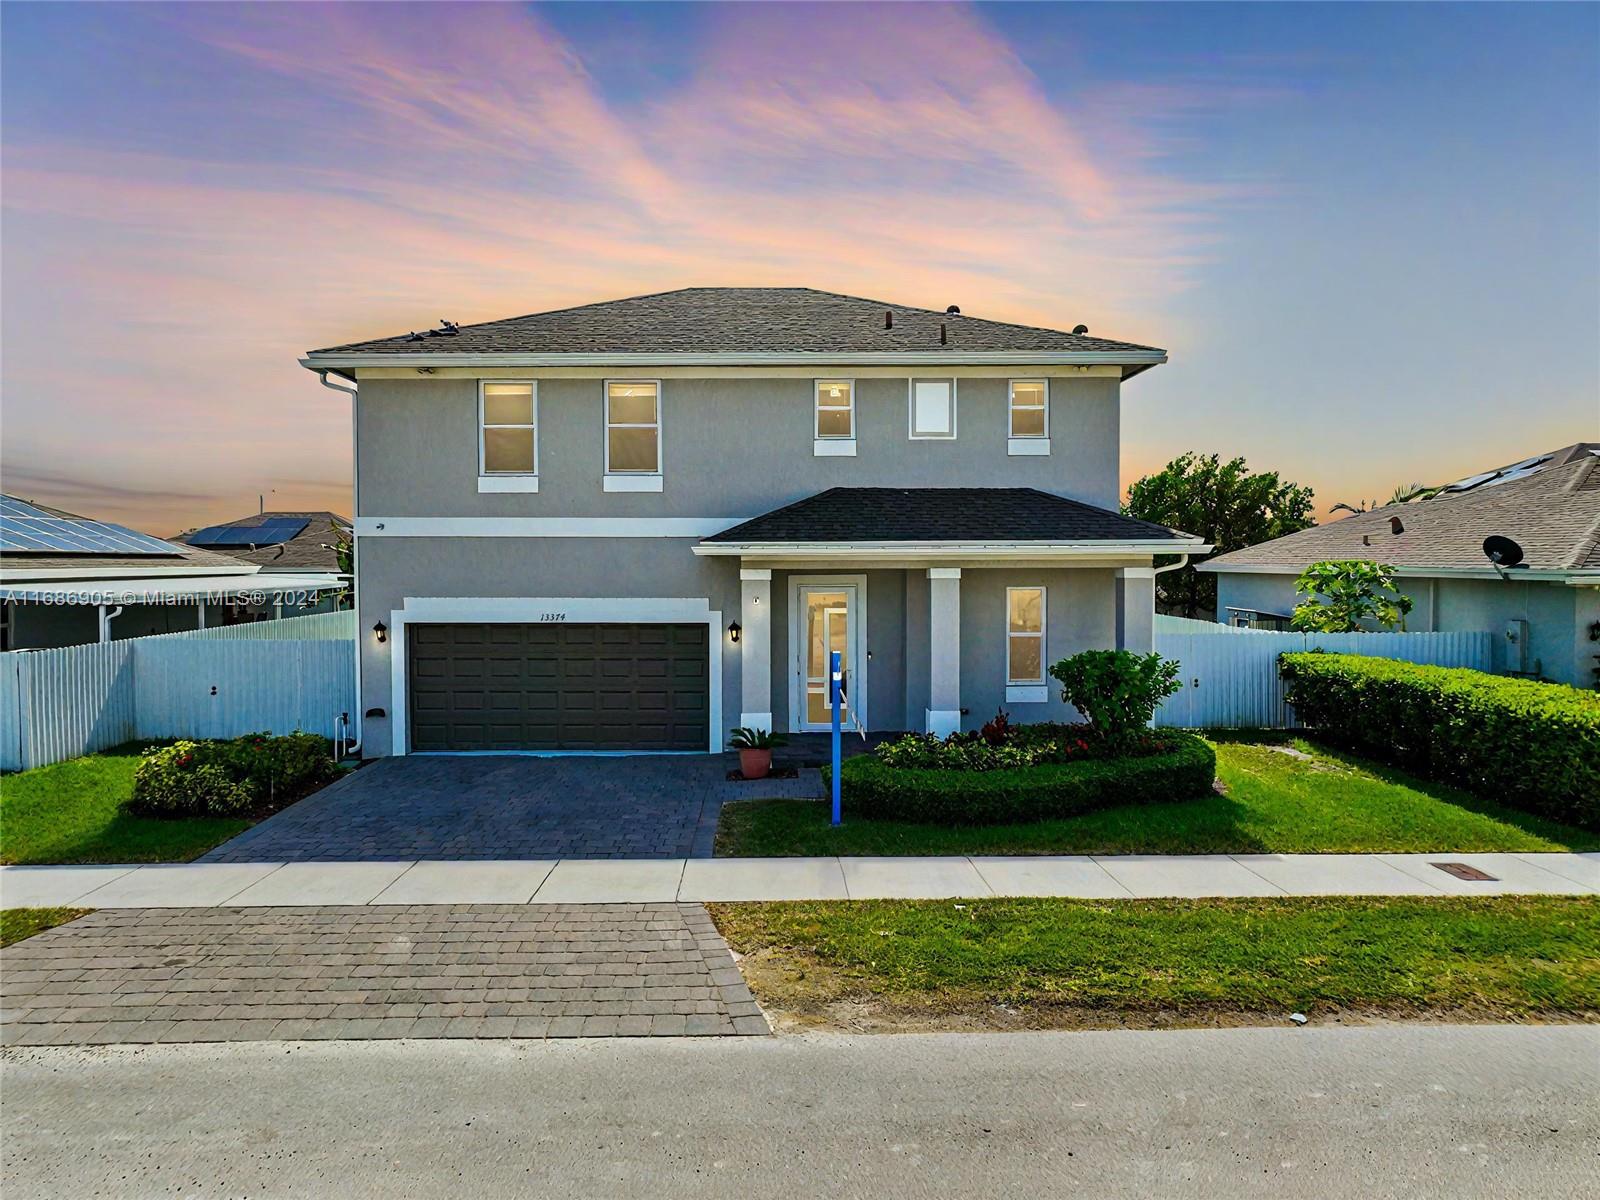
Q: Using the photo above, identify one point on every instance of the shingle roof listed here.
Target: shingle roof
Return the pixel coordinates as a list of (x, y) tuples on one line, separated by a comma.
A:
[(1553, 514), (975, 515), (304, 552), (710, 319)]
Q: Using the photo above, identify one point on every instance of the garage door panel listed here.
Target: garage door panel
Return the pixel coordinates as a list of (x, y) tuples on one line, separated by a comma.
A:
[(555, 686)]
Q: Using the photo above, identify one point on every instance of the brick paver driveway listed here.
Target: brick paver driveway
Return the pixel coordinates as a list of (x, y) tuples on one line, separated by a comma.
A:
[(432, 971), (508, 806)]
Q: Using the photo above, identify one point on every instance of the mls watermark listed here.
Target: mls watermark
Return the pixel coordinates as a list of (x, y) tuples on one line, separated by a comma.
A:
[(288, 599)]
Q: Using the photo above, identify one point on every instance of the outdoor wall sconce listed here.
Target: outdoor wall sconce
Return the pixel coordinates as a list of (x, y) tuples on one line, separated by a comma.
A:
[(734, 630), (382, 631)]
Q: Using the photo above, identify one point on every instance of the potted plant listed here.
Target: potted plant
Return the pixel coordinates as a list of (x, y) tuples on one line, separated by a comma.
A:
[(755, 750)]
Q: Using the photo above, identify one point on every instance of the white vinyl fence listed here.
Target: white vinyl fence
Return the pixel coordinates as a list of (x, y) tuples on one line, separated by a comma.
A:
[(1230, 676), (314, 627), (58, 704)]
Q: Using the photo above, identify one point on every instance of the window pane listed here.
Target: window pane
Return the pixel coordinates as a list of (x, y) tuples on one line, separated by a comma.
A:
[(507, 404), (833, 393), (1025, 665), (508, 450), (1027, 422), (932, 410), (631, 404), (833, 422), (1026, 605), (1028, 394), (633, 449)]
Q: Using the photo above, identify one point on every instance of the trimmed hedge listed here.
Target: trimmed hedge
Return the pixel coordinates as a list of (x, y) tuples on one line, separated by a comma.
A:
[(1532, 745), (1183, 771)]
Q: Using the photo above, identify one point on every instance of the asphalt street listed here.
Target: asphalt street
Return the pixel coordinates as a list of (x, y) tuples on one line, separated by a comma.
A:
[(1415, 1111)]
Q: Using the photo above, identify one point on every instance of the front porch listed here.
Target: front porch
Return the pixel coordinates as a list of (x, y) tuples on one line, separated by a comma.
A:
[(946, 604)]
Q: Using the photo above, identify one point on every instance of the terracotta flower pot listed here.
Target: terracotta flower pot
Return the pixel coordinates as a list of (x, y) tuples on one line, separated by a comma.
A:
[(755, 764)]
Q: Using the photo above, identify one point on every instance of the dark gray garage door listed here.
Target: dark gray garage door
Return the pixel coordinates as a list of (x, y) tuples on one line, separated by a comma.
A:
[(558, 687)]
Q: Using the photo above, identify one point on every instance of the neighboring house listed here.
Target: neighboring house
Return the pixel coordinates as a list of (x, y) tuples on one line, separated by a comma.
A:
[(633, 525), (1547, 610), (66, 580), (288, 543)]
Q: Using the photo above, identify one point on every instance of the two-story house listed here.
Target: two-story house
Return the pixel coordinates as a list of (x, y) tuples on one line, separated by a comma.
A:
[(632, 525)]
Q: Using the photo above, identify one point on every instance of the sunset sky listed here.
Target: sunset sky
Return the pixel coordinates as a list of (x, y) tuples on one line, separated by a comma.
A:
[(1368, 235)]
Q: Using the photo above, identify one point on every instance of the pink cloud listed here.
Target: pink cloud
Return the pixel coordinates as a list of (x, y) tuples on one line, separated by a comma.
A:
[(902, 152)]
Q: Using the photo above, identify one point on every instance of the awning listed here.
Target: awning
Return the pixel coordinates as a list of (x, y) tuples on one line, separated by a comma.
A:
[(260, 588)]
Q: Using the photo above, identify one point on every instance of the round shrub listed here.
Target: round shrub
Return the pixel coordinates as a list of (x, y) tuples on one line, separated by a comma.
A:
[(184, 780), (1182, 768)]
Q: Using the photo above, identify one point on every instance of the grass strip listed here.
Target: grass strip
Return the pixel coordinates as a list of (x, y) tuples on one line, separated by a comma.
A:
[(19, 923), (1102, 962)]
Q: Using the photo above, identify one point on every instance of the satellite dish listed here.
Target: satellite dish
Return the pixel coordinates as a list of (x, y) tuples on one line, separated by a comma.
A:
[(1502, 551)]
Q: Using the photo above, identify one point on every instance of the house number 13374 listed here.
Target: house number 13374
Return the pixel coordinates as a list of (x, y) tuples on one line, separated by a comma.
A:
[(552, 616)]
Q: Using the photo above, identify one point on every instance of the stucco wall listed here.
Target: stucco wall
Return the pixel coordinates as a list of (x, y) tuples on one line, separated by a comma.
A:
[(1080, 615), (730, 447)]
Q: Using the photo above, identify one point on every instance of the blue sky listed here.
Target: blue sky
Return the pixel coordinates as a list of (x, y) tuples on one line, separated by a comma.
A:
[(1369, 234)]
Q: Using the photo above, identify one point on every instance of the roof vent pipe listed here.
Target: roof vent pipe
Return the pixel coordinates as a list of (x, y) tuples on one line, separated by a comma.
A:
[(888, 319), (1080, 330), (1395, 526), (943, 337), (954, 310)]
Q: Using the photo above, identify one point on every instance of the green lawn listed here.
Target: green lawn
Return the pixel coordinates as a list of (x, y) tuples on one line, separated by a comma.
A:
[(19, 923), (1505, 957), (67, 813), (1284, 799)]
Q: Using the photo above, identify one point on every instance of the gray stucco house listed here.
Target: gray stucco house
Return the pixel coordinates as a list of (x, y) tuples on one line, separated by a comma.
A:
[(1546, 610), (632, 525)]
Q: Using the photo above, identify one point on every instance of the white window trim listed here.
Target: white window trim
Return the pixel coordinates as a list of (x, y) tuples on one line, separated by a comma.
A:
[(1044, 626), (832, 445), (509, 481), (1018, 445), (631, 481), (911, 408)]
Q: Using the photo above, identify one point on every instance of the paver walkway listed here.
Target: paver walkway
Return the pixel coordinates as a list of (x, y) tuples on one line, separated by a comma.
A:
[(642, 881), (509, 806), (436, 971)]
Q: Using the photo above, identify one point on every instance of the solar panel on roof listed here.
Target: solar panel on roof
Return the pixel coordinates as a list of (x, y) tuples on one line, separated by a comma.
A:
[(28, 529), (272, 532)]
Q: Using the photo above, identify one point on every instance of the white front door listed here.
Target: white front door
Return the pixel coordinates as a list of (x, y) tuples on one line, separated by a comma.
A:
[(826, 618)]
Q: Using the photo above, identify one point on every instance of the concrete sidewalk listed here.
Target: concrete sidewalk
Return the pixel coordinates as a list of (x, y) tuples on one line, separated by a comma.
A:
[(643, 881)]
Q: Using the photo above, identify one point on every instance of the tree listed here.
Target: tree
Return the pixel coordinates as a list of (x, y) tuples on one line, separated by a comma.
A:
[(1341, 595), (1226, 504)]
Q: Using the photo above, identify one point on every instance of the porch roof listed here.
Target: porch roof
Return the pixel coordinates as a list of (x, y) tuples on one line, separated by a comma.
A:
[(1025, 520)]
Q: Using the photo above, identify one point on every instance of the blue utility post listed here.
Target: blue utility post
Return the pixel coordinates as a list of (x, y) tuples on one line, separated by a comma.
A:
[(835, 699)]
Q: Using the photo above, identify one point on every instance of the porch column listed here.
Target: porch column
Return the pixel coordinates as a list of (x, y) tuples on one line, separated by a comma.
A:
[(1136, 622), (944, 648), (755, 648)]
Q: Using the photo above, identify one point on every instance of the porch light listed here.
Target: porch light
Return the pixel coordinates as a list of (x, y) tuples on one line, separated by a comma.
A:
[(734, 630), (382, 631)]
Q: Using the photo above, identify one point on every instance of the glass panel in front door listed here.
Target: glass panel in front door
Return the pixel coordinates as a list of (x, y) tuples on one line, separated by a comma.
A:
[(827, 629)]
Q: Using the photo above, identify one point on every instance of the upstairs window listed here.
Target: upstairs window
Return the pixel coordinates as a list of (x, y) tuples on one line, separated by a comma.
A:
[(1030, 413), (933, 408), (1025, 635), (633, 427), (836, 408), (508, 443)]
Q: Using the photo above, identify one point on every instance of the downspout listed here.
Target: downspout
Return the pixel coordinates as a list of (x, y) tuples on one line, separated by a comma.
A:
[(1183, 561), (353, 747), (105, 621)]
